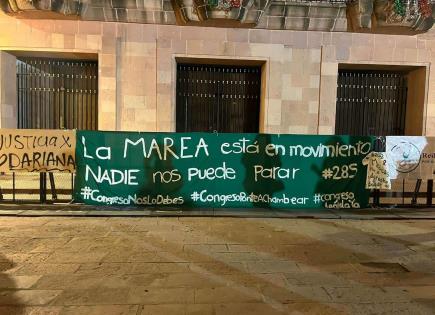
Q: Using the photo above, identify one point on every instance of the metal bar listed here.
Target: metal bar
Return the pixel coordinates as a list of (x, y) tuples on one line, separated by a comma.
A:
[(34, 113), (42, 188), (39, 94), (52, 186), (403, 192), (13, 186), (19, 77), (416, 191), (88, 99), (429, 192)]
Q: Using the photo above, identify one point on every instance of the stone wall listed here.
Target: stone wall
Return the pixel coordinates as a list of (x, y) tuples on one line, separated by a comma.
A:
[(8, 95), (137, 67)]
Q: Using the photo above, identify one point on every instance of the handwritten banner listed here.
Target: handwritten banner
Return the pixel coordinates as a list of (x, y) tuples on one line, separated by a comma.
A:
[(34, 150), (221, 170), (411, 157)]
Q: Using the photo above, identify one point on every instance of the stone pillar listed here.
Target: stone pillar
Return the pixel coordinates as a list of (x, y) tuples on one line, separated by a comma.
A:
[(8, 90)]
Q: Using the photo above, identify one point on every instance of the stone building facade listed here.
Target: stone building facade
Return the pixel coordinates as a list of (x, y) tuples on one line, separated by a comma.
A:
[(137, 69)]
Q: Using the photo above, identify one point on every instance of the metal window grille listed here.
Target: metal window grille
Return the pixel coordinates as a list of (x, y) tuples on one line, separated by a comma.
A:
[(57, 94), (371, 103), (218, 98)]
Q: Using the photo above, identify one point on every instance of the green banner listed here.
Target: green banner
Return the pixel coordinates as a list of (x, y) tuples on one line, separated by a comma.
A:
[(221, 170)]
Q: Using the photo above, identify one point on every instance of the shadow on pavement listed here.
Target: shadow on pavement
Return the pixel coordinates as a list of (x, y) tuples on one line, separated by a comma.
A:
[(9, 303)]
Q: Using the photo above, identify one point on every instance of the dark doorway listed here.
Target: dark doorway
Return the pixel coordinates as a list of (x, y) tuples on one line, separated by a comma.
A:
[(57, 93), (217, 98), (371, 103)]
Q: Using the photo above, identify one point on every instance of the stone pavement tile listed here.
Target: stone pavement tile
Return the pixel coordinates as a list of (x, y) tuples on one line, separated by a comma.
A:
[(75, 223), (137, 225), (9, 268), (378, 251), (171, 280), (177, 309), (279, 266), (17, 282), (418, 265), (28, 297), (423, 247), (319, 279), (46, 245), (320, 255), (319, 309), (236, 257), (46, 268), (29, 244), (103, 269), (385, 279), (92, 296), (380, 267), (424, 256), (146, 268), (143, 256), (289, 294), (149, 295), (33, 232), (239, 308), (30, 310), (399, 308), (12, 244), (426, 292), (76, 257), (426, 304), (219, 267), (242, 248), (14, 258), (192, 280), (68, 281), (219, 248), (22, 222), (331, 268), (154, 280), (81, 243), (364, 294), (122, 225), (290, 308), (100, 310), (231, 294), (256, 280)]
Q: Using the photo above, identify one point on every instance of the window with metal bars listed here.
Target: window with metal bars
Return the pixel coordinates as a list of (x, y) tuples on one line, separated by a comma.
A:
[(371, 103), (218, 98), (57, 94)]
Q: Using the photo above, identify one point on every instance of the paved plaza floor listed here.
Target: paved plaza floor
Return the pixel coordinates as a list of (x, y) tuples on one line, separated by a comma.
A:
[(212, 265)]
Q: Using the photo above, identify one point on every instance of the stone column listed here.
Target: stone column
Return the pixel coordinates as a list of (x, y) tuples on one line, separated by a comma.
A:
[(8, 90)]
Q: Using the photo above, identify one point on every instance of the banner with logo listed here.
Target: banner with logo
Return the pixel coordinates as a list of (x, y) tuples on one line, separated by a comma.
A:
[(221, 170), (36, 150), (411, 157)]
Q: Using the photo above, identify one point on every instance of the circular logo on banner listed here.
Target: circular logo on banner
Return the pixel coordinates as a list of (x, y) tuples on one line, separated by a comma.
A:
[(406, 156)]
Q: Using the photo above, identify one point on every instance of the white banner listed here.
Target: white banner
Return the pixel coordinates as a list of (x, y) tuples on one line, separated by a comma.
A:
[(37, 150), (411, 157)]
